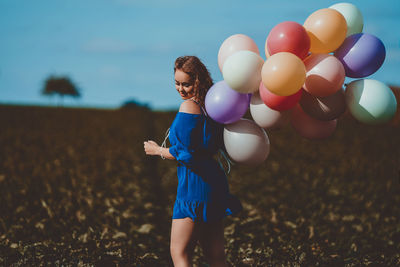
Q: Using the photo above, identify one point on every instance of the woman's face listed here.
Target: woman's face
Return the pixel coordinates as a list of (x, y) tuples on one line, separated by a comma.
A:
[(183, 84)]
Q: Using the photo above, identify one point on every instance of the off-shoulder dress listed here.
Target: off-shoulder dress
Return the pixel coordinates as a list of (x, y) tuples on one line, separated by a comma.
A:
[(203, 191)]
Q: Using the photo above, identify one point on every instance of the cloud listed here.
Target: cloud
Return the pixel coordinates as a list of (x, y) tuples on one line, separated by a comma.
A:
[(108, 45), (112, 46), (151, 3), (110, 71), (393, 54)]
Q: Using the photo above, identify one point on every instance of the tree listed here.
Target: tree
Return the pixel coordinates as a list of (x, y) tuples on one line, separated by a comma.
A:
[(61, 86), (134, 104)]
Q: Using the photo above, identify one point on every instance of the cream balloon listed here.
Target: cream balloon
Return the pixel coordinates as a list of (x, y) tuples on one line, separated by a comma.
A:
[(242, 71), (233, 44), (246, 142), (370, 101), (352, 15), (266, 117)]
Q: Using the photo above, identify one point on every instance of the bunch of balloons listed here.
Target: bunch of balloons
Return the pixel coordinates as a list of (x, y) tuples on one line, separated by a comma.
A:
[(300, 81)]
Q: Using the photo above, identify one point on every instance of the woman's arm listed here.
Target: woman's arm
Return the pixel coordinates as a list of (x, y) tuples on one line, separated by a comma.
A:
[(152, 148)]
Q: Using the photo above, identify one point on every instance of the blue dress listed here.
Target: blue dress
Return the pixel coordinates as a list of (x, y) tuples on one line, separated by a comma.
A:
[(203, 191)]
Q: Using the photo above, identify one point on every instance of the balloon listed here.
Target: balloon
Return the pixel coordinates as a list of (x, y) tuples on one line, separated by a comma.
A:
[(352, 15), (277, 102), (249, 98), (327, 30), (361, 55), (267, 54), (234, 44), (266, 117), (246, 142), (224, 104), (325, 74), (283, 74), (324, 108), (288, 36), (242, 71), (309, 127), (370, 101)]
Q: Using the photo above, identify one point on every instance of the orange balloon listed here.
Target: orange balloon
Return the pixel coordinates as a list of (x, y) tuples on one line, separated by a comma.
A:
[(283, 74), (327, 29)]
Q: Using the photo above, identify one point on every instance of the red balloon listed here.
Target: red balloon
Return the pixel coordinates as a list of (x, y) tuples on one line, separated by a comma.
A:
[(288, 36), (277, 102)]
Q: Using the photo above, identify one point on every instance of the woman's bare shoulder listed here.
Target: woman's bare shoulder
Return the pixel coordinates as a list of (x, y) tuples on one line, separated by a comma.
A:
[(189, 106)]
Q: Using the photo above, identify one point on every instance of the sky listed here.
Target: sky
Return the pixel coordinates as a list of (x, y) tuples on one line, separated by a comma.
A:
[(118, 50)]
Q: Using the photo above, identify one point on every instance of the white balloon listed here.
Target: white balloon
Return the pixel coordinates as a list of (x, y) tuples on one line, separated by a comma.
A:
[(246, 142), (242, 71), (266, 117), (234, 43), (353, 16), (370, 101)]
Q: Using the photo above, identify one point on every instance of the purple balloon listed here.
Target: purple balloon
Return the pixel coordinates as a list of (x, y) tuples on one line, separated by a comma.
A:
[(225, 105), (249, 95), (361, 55)]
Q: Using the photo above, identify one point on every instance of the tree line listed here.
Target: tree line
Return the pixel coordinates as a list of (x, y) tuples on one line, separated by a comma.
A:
[(63, 86)]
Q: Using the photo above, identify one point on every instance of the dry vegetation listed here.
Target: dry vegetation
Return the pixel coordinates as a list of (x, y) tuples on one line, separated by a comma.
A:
[(77, 189)]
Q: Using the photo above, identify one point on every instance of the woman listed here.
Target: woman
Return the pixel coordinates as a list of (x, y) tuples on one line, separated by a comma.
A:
[(203, 197)]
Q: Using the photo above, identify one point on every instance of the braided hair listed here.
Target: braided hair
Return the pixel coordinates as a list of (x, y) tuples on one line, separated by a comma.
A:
[(198, 73)]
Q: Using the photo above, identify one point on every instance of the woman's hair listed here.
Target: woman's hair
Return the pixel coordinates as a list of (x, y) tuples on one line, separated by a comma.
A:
[(198, 73)]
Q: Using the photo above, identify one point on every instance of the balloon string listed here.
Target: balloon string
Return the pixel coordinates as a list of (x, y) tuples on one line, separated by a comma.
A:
[(164, 143), (228, 161)]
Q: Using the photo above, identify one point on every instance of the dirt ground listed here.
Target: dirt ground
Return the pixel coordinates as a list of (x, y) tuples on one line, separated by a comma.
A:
[(76, 189)]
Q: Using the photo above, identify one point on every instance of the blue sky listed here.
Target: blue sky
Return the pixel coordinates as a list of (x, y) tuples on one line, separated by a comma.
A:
[(122, 49)]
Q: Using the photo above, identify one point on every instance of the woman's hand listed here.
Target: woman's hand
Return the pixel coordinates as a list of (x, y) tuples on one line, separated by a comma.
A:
[(151, 148)]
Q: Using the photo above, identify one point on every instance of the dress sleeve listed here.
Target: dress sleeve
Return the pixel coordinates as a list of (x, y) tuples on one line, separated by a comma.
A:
[(186, 137)]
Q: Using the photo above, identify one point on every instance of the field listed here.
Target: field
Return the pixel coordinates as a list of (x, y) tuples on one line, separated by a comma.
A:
[(76, 189)]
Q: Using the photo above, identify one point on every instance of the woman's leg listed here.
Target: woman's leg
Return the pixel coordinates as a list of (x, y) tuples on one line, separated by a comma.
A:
[(211, 237), (183, 241)]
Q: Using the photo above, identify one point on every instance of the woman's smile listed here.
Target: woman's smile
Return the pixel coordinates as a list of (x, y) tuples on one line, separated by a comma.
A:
[(183, 84)]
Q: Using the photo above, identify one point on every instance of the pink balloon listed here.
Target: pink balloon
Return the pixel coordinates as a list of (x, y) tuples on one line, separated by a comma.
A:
[(233, 44), (325, 74), (309, 127), (278, 102)]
